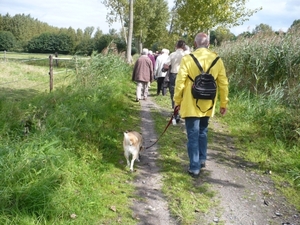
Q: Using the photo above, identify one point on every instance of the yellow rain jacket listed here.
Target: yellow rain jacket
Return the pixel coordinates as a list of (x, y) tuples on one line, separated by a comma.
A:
[(183, 86)]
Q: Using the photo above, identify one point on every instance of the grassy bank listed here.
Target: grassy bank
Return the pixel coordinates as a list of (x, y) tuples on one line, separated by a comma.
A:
[(61, 158)]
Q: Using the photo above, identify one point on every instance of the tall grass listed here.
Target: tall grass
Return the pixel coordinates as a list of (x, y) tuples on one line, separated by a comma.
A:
[(268, 67), (264, 112), (265, 64), (61, 159)]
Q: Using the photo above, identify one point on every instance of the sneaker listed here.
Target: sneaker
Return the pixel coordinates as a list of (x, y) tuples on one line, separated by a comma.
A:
[(203, 165), (192, 174), (177, 117)]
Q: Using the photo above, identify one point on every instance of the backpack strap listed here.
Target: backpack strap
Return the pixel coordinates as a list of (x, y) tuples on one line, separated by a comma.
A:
[(190, 78), (213, 63), (199, 65), (213, 102)]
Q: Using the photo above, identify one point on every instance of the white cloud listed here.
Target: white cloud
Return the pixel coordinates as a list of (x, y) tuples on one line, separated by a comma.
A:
[(276, 13)]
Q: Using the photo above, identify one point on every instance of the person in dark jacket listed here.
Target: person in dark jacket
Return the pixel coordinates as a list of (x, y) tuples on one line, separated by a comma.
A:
[(142, 74)]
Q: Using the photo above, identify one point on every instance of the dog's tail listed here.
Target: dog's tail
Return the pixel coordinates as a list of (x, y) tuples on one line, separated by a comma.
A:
[(127, 139)]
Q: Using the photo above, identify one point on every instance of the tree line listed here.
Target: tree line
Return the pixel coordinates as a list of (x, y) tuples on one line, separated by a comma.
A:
[(26, 34), (154, 25)]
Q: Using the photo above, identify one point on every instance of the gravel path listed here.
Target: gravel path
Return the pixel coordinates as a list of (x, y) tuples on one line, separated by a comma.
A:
[(151, 208), (245, 197)]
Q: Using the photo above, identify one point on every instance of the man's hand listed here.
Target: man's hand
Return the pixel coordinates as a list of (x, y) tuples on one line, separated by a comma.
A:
[(223, 111), (165, 68), (177, 108)]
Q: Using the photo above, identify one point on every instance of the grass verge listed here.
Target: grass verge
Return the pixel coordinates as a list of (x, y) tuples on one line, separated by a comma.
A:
[(61, 156)]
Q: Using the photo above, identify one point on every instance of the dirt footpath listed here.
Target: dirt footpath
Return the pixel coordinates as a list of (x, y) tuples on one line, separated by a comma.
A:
[(245, 197)]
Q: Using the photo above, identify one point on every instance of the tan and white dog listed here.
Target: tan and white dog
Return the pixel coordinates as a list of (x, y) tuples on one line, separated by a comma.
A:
[(132, 144)]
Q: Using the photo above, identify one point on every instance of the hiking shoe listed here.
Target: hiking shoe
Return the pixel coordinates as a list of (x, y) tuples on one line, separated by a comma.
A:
[(177, 117), (193, 175)]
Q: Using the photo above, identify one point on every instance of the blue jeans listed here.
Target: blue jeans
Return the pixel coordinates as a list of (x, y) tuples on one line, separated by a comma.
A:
[(196, 128)]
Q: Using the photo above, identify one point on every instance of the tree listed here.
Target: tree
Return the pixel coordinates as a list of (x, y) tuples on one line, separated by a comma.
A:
[(130, 31), (220, 35), (263, 29), (24, 28), (50, 43), (88, 32), (119, 11), (79, 36), (7, 40), (64, 43), (195, 16), (103, 42), (85, 47), (149, 24), (157, 32), (295, 25), (98, 33)]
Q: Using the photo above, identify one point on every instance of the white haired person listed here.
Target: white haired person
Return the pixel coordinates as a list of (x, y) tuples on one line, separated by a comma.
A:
[(142, 74), (197, 113), (173, 63), (159, 75)]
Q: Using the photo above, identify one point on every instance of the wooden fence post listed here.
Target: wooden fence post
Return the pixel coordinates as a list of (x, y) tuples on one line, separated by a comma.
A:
[(76, 66), (51, 71)]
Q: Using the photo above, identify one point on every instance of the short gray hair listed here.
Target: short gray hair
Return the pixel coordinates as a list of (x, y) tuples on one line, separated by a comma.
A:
[(165, 51), (145, 51), (202, 40)]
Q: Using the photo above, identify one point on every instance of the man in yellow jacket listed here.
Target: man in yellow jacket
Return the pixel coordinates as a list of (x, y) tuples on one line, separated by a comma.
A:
[(196, 120)]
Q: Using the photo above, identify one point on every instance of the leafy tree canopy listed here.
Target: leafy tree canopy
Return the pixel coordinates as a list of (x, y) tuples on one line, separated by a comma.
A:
[(7, 40), (195, 16), (263, 28)]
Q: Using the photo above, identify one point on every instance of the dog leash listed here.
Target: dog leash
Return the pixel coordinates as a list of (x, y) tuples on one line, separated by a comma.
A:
[(176, 109)]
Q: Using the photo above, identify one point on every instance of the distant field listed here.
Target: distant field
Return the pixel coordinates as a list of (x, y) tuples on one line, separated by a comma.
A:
[(18, 55), (17, 75)]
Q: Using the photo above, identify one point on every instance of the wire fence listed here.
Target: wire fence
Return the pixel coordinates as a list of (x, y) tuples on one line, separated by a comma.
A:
[(56, 65)]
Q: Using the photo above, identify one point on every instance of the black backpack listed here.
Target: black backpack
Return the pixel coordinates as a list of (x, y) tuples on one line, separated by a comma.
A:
[(204, 85)]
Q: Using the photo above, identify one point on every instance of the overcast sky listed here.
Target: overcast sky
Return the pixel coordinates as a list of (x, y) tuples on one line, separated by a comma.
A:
[(279, 14)]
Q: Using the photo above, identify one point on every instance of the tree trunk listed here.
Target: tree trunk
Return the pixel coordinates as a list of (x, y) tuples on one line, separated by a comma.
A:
[(124, 30), (140, 42), (172, 17), (122, 22), (129, 43)]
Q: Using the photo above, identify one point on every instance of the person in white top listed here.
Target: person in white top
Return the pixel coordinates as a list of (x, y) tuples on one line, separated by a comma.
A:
[(187, 50), (173, 63), (159, 75)]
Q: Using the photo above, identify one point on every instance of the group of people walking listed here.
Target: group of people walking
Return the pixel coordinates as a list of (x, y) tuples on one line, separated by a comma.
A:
[(162, 68), (177, 69)]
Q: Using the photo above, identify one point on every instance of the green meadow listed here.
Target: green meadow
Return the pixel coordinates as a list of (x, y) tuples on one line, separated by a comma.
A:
[(61, 156)]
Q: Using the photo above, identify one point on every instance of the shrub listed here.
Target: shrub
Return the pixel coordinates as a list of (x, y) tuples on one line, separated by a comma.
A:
[(7, 40)]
